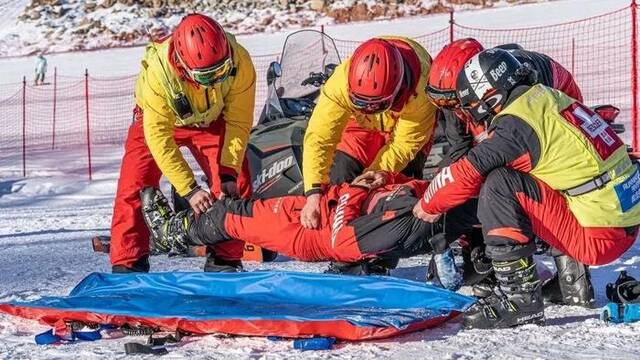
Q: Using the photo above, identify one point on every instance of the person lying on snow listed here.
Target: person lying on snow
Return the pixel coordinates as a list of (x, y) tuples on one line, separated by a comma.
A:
[(368, 219), (573, 286), (550, 168)]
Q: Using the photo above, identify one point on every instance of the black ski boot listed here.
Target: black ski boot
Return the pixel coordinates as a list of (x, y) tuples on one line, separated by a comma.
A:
[(477, 271), (516, 300), (169, 231), (485, 287), (214, 264), (571, 285), (140, 265), (377, 266)]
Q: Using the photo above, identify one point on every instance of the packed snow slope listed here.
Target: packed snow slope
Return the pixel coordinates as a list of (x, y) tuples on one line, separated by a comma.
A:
[(117, 62), (46, 224), (61, 25)]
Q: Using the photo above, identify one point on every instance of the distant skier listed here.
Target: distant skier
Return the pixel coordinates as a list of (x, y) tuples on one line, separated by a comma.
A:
[(574, 286), (372, 114), (368, 219), (196, 89), (550, 168), (40, 70)]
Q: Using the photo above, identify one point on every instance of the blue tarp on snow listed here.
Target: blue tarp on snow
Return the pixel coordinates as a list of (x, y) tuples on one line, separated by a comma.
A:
[(253, 303)]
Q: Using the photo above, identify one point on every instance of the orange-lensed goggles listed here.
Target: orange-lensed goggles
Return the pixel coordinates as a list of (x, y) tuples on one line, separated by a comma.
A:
[(371, 106), (446, 99)]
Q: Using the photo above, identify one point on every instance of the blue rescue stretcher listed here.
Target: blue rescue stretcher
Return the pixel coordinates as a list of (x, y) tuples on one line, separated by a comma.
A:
[(285, 304)]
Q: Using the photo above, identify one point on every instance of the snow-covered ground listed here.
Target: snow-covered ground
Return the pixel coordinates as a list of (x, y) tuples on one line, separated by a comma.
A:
[(117, 62), (90, 24), (46, 224)]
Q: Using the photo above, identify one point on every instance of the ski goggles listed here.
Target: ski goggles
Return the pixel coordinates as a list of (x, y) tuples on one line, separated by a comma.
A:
[(446, 99), (371, 106), (374, 105), (212, 75)]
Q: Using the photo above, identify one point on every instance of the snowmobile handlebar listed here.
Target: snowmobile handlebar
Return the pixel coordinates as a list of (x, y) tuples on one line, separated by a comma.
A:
[(315, 79)]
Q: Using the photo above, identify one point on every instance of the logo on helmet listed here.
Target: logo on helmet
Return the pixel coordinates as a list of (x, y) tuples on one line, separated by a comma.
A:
[(474, 75), (463, 93), (498, 71)]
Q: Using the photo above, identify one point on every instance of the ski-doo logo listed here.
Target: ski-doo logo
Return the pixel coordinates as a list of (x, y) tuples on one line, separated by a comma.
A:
[(497, 72), (439, 181), (272, 171), (338, 218)]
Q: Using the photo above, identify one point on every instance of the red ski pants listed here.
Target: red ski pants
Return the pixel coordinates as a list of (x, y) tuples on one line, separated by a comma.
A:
[(356, 151), (361, 144), (129, 235), (514, 207)]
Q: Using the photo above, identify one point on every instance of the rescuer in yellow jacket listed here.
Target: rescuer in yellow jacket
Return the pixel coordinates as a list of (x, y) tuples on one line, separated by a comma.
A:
[(550, 168), (373, 113), (196, 89)]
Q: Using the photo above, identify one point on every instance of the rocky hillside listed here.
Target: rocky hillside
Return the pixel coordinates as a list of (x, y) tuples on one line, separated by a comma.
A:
[(60, 25)]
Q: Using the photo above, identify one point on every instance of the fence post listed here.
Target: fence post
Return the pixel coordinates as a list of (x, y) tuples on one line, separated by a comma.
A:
[(55, 89), (24, 126), (451, 22), (634, 74), (86, 104), (573, 56)]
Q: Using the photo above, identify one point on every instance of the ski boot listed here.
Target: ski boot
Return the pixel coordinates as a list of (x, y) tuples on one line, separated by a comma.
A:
[(377, 266), (477, 269), (571, 285), (169, 230), (140, 265), (516, 300), (626, 289), (215, 264)]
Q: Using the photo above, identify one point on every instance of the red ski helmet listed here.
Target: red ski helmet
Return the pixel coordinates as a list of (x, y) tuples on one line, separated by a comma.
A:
[(202, 48), (375, 76), (445, 68)]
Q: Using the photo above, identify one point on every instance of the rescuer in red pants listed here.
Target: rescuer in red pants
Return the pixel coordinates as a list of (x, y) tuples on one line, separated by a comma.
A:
[(571, 285), (129, 233), (550, 168), (365, 220), (195, 88)]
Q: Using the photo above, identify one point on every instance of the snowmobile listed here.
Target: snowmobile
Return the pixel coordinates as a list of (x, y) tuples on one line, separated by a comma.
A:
[(274, 152)]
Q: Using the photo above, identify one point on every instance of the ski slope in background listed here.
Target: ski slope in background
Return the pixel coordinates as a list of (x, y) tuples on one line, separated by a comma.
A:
[(45, 224), (117, 62)]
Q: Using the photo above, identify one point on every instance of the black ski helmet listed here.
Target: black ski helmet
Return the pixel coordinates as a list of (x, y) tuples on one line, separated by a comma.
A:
[(486, 80)]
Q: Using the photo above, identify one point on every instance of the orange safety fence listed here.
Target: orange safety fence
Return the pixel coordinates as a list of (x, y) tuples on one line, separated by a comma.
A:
[(85, 112)]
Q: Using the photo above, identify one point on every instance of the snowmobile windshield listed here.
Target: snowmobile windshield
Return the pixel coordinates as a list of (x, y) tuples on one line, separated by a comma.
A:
[(304, 52)]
